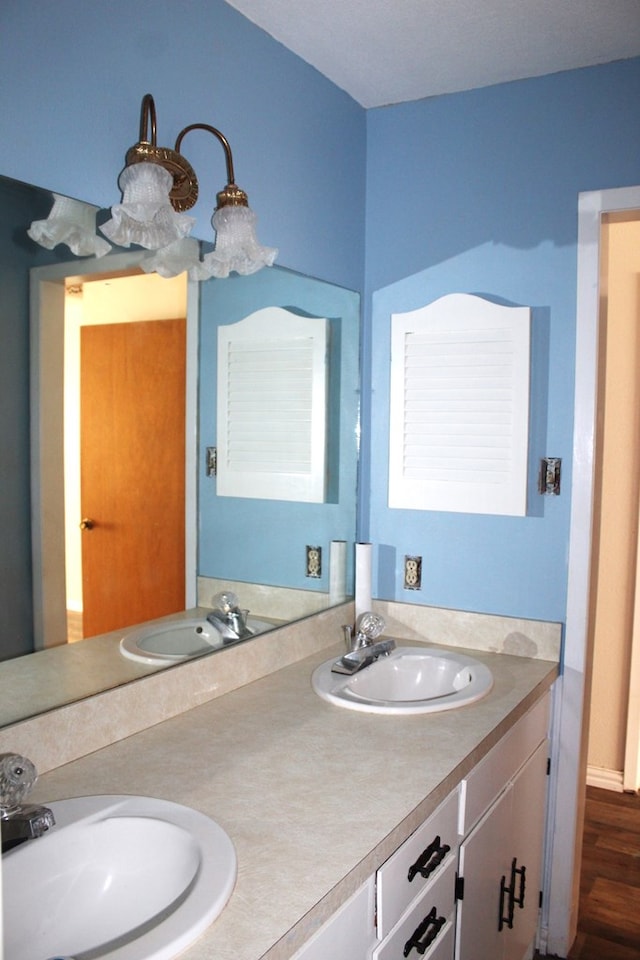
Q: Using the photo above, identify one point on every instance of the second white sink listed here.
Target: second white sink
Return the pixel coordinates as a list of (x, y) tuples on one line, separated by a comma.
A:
[(409, 680)]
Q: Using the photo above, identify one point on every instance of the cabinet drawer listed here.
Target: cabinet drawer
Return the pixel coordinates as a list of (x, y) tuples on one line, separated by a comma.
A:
[(394, 890), (487, 780), (438, 897)]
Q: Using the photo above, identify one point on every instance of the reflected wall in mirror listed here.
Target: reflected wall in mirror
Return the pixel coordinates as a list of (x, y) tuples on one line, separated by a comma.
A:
[(254, 543)]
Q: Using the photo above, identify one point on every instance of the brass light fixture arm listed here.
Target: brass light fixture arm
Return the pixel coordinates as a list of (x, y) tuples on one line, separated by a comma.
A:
[(184, 192), (232, 195), (147, 114)]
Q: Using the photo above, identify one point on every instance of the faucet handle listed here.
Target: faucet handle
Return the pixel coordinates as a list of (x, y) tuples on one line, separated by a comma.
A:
[(370, 625), (225, 601), (17, 777)]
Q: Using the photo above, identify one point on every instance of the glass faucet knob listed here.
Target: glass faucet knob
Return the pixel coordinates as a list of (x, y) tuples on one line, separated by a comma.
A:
[(226, 601), (371, 625), (17, 777)]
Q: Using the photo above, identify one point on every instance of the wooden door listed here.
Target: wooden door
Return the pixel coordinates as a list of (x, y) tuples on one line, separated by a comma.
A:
[(132, 396)]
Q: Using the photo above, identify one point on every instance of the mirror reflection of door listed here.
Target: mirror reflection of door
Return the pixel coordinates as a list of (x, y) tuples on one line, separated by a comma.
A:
[(126, 502)]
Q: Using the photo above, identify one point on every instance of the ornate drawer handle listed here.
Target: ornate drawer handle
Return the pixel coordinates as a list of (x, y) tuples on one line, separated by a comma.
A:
[(429, 859), (428, 929)]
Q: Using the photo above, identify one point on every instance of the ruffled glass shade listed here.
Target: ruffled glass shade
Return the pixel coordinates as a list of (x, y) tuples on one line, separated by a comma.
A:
[(71, 222), (237, 248), (145, 216), (174, 259)]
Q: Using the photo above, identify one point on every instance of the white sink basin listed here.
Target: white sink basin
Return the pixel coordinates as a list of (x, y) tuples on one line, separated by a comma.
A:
[(178, 640), (124, 878), (409, 680)]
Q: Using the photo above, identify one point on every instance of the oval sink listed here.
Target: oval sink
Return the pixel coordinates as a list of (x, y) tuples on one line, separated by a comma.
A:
[(124, 878), (178, 640), (171, 642), (409, 680)]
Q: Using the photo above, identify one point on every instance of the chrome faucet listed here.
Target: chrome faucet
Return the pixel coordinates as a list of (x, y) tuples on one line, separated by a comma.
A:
[(20, 821), (363, 648), (228, 619)]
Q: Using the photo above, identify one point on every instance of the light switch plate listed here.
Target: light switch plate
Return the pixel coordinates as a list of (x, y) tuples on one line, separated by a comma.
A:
[(549, 476)]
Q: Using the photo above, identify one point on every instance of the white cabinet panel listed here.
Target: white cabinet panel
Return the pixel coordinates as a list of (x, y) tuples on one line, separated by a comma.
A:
[(491, 775), (528, 808), (349, 934)]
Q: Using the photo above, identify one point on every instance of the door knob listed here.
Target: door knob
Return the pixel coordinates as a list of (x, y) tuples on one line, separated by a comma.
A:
[(87, 524)]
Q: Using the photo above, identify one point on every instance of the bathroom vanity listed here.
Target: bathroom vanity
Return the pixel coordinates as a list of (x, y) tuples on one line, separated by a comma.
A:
[(467, 883), (328, 808)]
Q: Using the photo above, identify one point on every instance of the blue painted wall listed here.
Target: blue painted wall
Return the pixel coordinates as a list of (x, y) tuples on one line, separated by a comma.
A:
[(473, 192), (72, 77), (478, 193)]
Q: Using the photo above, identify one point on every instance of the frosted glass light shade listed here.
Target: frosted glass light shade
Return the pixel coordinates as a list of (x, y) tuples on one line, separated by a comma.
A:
[(145, 216), (73, 223), (174, 259), (237, 248)]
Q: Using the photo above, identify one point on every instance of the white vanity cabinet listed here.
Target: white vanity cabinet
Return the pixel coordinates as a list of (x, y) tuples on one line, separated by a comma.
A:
[(466, 884), (500, 863)]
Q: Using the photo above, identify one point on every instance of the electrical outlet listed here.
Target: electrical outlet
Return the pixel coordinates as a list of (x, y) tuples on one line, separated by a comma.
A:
[(314, 562), (413, 573)]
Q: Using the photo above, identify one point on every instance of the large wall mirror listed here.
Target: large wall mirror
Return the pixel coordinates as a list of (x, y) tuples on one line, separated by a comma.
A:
[(259, 548)]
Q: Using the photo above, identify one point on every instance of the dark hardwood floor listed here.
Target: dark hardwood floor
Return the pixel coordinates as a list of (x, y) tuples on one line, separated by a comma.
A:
[(609, 912)]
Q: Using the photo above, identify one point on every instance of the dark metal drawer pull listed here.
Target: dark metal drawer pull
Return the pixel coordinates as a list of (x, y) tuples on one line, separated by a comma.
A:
[(429, 859), (523, 881), (428, 929), (512, 900)]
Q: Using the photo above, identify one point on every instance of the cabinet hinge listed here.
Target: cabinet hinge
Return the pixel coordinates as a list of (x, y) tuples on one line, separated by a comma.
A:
[(459, 888), (540, 898), (548, 766)]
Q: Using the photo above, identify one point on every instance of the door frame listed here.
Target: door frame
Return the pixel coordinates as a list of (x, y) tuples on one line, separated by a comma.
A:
[(631, 769), (47, 292), (570, 727)]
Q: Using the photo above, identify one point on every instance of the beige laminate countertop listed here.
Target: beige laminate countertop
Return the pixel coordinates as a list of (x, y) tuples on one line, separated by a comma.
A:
[(314, 797)]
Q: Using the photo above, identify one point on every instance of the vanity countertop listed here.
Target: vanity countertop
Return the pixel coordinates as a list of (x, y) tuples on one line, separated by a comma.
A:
[(315, 798)]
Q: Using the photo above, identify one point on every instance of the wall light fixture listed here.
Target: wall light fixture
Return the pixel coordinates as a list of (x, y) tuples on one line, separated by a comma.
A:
[(158, 184)]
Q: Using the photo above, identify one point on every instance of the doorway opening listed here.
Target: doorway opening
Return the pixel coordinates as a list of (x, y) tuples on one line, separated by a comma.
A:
[(53, 511), (570, 728), (124, 439), (614, 718)]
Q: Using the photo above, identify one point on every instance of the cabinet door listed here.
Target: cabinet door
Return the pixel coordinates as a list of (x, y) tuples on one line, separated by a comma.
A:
[(484, 861), (528, 810), (501, 861)]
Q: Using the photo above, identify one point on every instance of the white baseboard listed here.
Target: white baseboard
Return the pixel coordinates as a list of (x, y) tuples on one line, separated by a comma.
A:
[(606, 779)]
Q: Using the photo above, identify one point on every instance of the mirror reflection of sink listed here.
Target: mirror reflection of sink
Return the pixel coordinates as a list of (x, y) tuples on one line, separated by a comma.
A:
[(124, 878), (410, 680), (178, 640)]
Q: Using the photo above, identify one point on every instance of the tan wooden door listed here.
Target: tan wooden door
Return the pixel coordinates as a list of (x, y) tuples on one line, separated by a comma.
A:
[(132, 396)]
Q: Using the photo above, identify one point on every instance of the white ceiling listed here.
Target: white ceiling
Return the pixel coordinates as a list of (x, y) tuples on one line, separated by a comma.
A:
[(389, 51)]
